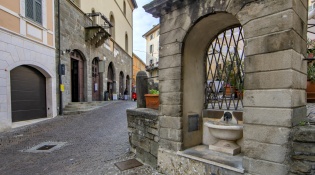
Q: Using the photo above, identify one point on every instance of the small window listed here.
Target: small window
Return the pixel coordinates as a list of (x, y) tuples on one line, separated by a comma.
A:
[(151, 36), (33, 10), (124, 8), (158, 32), (151, 48), (126, 43)]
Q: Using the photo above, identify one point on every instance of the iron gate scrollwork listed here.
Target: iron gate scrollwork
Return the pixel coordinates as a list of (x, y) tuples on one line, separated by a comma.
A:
[(224, 84)]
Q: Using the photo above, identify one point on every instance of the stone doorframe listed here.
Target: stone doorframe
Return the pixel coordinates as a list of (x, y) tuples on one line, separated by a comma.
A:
[(275, 75)]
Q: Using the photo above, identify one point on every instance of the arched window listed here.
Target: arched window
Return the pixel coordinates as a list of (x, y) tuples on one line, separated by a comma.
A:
[(126, 43), (112, 29), (124, 8)]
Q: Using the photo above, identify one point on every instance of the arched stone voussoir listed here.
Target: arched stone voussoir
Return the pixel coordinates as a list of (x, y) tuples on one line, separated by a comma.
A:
[(39, 66)]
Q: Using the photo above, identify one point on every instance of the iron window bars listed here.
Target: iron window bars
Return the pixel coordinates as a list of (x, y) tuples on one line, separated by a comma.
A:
[(224, 83)]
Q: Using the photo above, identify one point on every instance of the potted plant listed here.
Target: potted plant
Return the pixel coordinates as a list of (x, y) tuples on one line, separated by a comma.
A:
[(152, 99), (310, 44), (310, 89)]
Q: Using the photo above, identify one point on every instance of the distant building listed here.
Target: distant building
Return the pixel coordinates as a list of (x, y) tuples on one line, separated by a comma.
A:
[(138, 65), (152, 51), (96, 39), (27, 62)]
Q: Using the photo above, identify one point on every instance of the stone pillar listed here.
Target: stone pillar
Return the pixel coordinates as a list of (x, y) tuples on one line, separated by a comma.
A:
[(142, 88), (275, 82)]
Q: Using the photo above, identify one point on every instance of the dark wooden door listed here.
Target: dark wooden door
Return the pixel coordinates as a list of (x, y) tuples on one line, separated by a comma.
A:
[(75, 80), (110, 81), (28, 94), (95, 81), (77, 77)]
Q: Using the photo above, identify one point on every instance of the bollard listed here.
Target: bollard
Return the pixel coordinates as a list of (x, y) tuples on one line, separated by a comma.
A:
[(142, 88)]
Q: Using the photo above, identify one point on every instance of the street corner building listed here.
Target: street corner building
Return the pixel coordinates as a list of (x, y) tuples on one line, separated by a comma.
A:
[(27, 62), (96, 49), (57, 52)]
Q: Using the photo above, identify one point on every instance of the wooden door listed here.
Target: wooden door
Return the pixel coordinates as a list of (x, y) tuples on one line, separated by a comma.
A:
[(95, 81)]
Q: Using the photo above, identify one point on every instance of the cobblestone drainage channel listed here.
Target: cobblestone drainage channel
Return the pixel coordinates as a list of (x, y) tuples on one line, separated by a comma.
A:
[(45, 147)]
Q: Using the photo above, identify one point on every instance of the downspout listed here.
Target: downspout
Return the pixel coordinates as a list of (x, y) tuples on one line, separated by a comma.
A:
[(59, 65)]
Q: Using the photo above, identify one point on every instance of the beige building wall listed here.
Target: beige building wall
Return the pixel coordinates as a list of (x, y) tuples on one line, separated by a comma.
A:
[(152, 38), (26, 42), (123, 23), (152, 56), (138, 65)]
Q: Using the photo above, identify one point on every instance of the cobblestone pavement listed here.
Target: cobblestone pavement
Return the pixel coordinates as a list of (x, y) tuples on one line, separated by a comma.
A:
[(94, 142)]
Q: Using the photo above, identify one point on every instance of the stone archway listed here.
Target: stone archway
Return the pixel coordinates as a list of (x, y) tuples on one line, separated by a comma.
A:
[(111, 80), (274, 98), (77, 76), (96, 81), (121, 84)]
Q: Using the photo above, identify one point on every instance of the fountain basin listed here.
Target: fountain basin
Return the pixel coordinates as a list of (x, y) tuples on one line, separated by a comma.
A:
[(227, 131), (224, 131)]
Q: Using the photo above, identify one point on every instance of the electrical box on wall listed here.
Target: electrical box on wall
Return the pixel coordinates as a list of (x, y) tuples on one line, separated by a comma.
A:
[(62, 69)]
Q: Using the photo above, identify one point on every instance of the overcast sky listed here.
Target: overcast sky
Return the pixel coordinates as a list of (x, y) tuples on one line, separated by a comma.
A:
[(142, 22)]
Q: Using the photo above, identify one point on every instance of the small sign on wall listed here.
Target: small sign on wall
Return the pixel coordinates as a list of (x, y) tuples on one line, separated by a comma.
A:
[(62, 87), (95, 87), (193, 122)]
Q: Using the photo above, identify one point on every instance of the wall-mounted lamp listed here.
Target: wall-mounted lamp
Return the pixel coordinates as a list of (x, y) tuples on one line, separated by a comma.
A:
[(67, 51)]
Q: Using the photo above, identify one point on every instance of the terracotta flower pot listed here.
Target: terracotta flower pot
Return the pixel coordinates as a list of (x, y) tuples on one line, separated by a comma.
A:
[(310, 90), (152, 101)]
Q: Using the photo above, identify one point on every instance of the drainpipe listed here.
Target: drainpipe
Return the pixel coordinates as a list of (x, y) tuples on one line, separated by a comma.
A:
[(59, 64)]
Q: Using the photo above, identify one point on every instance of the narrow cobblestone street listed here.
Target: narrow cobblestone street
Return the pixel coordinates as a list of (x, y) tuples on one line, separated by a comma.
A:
[(94, 141)]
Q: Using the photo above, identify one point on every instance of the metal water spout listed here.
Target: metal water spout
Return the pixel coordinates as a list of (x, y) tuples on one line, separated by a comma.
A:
[(227, 117)]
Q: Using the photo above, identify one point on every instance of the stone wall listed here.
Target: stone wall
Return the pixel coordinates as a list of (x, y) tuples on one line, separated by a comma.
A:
[(143, 132), (303, 154), (73, 23), (275, 75)]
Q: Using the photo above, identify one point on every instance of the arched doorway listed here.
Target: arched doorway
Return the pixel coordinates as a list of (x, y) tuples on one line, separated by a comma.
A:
[(111, 80), (77, 77), (127, 90), (128, 83), (28, 94), (197, 43), (121, 84), (95, 80)]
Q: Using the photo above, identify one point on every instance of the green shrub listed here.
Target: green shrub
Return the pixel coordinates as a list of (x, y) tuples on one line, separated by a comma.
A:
[(153, 91)]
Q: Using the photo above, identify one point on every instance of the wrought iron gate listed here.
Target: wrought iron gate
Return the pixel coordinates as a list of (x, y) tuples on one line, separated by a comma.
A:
[(224, 84)]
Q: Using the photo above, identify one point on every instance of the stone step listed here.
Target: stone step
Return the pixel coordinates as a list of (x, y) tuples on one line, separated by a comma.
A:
[(82, 107), (76, 109)]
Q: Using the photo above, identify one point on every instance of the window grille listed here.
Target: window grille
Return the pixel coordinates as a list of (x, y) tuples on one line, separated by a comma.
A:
[(34, 10), (224, 84)]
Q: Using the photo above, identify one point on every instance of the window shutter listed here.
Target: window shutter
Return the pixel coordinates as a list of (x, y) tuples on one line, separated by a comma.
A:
[(38, 11), (33, 10), (29, 8)]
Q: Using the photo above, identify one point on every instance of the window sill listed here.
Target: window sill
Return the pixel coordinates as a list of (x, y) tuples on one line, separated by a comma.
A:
[(34, 23)]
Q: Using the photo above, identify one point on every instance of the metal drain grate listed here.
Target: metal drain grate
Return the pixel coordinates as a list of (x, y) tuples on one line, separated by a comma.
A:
[(45, 147)]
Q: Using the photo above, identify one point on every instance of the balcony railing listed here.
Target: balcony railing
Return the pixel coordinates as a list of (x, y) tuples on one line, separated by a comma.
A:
[(98, 31)]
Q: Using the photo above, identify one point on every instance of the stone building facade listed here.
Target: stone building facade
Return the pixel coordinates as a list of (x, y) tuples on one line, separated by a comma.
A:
[(27, 62), (274, 91), (90, 69)]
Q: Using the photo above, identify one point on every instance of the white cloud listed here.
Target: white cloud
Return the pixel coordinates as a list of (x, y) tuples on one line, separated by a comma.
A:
[(142, 22)]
